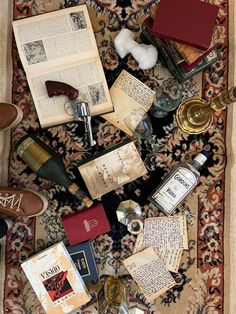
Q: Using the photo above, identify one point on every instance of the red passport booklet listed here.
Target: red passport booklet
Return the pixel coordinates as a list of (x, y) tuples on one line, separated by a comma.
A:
[(187, 21), (86, 224)]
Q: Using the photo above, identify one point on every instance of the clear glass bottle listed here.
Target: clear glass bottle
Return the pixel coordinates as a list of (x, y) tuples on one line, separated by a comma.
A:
[(195, 115), (165, 102), (139, 123), (177, 184)]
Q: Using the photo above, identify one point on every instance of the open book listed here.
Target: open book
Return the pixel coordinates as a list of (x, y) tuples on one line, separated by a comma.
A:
[(61, 46)]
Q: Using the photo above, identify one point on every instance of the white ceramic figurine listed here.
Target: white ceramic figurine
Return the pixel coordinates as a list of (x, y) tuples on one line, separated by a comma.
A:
[(145, 55)]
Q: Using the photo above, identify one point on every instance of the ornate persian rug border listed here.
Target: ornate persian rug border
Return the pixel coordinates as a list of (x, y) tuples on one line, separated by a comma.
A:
[(6, 13), (230, 177), (5, 80)]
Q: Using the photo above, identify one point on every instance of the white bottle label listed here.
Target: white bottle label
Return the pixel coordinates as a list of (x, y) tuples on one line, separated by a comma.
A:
[(175, 189)]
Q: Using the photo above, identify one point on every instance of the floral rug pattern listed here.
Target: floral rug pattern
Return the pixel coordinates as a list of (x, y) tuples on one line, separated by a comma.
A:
[(200, 278)]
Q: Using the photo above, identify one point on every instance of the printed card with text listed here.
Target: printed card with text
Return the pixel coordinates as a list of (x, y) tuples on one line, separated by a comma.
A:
[(150, 273)]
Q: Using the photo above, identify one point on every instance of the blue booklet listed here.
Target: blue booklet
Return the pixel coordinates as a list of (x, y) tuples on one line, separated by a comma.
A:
[(82, 256)]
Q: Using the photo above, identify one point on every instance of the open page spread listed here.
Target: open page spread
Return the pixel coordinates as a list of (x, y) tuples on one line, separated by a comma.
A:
[(61, 46)]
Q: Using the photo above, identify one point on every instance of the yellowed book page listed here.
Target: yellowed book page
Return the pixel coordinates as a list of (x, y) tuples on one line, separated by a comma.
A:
[(150, 273), (87, 76), (112, 170), (170, 257), (128, 95), (60, 37), (165, 232)]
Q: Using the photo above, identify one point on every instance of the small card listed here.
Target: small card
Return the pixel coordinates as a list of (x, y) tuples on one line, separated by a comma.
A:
[(150, 273), (166, 232), (167, 236), (82, 256), (86, 224), (128, 94), (113, 168)]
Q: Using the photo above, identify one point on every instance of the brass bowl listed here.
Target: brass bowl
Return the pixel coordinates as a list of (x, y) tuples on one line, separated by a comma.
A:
[(194, 116)]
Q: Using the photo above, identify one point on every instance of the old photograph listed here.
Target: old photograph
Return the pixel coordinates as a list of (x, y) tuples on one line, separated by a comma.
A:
[(35, 52), (78, 21), (97, 94)]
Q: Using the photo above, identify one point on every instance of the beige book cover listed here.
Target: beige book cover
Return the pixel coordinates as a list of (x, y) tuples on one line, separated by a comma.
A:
[(55, 280), (113, 168), (61, 46)]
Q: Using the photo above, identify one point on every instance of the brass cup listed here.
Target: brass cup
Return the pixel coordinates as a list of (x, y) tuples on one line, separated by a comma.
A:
[(194, 116)]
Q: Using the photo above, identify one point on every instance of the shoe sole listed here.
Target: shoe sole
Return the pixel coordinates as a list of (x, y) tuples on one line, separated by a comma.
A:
[(18, 118), (45, 203)]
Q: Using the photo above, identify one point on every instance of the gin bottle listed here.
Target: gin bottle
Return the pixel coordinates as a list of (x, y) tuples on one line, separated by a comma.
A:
[(177, 184)]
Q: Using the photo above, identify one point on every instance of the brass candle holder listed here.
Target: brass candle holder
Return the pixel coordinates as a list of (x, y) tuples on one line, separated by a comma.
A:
[(195, 115)]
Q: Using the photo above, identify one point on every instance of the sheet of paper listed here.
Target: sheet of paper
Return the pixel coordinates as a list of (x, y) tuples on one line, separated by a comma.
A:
[(170, 257), (55, 38), (150, 273), (166, 232), (128, 95)]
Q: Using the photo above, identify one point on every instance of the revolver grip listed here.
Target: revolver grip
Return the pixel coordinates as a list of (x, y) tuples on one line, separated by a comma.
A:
[(55, 88)]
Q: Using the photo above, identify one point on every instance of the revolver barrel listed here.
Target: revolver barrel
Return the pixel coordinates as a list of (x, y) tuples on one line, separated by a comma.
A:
[(82, 113)]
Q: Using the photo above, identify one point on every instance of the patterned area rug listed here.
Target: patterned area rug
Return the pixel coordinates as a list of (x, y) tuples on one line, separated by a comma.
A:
[(200, 280)]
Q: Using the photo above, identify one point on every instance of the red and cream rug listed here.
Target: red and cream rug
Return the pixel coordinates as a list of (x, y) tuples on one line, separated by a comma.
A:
[(200, 280)]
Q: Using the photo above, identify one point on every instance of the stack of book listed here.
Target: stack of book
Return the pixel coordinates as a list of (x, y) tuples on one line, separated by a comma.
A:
[(185, 35)]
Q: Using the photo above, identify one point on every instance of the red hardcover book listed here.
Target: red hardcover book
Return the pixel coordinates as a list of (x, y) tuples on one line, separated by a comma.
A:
[(192, 55), (86, 224), (187, 21)]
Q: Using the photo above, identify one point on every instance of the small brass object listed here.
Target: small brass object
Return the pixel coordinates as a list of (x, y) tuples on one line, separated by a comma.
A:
[(195, 115)]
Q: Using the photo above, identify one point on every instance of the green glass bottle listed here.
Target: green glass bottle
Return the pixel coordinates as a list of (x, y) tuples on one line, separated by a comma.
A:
[(48, 164)]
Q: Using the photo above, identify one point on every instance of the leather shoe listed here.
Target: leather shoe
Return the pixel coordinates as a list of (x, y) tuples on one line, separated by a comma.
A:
[(10, 116), (17, 203)]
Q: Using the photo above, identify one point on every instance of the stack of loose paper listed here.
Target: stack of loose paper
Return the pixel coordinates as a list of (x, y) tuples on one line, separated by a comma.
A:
[(158, 250)]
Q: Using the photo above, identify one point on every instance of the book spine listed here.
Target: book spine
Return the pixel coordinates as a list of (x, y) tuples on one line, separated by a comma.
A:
[(165, 59), (170, 47), (189, 53)]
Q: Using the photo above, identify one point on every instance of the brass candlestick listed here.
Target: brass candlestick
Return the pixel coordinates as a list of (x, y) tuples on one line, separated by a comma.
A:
[(195, 115)]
